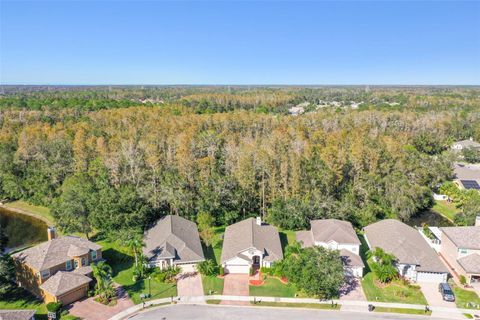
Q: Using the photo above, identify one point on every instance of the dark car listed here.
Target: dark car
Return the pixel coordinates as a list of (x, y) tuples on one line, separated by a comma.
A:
[(446, 292)]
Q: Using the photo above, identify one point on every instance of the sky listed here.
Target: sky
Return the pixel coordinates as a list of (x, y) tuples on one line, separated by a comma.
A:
[(240, 42)]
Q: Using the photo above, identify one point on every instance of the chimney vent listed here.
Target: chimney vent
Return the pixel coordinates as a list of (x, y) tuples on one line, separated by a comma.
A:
[(51, 233), (259, 221)]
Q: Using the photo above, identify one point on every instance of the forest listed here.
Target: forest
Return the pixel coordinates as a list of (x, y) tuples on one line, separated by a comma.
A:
[(117, 158)]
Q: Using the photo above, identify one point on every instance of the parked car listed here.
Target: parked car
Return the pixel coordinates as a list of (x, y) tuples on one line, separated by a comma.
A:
[(446, 292)]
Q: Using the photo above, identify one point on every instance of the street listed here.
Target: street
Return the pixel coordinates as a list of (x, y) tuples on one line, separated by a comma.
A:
[(213, 312)]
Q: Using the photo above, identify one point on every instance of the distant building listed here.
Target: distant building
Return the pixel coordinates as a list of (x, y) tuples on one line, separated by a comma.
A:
[(465, 144), (467, 176)]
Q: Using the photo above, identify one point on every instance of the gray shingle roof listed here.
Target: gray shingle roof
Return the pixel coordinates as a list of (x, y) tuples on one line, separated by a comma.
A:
[(16, 314), (248, 234), (405, 243), (466, 171), (54, 252), (305, 238), (63, 282), (468, 143), (351, 259), (333, 229), (470, 263), (463, 237), (173, 237)]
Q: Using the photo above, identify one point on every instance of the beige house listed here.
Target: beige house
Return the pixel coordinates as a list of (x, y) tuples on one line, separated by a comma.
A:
[(461, 249), (467, 176), (57, 270), (416, 260), (335, 235), (173, 241), (250, 244)]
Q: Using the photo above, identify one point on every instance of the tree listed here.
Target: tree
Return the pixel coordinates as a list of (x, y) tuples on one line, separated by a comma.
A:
[(317, 271), (102, 273), (207, 267), (3, 239), (205, 224), (383, 265), (471, 155), (7, 270)]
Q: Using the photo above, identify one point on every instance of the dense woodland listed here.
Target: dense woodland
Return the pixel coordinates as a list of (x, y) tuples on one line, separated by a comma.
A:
[(117, 158)]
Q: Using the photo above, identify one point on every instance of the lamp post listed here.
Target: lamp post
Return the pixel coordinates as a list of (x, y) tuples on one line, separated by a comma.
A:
[(149, 287)]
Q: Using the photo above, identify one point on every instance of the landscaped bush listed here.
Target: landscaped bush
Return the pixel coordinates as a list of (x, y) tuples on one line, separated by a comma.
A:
[(54, 306), (221, 271), (463, 280), (167, 275), (207, 268), (268, 271)]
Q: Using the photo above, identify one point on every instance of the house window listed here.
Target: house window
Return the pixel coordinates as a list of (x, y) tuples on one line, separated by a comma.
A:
[(83, 262), (45, 274), (75, 263), (68, 265), (94, 255), (463, 251)]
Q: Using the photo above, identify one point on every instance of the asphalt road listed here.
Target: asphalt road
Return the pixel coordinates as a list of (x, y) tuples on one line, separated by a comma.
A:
[(204, 312)]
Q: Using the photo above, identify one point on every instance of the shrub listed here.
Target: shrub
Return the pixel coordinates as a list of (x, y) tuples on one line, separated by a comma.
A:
[(251, 271), (207, 268), (463, 280), (54, 306), (221, 271)]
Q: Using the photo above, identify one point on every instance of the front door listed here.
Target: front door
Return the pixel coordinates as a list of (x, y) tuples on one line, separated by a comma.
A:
[(256, 260)]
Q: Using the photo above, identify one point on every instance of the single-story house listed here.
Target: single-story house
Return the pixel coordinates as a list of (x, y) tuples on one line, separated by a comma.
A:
[(416, 260), (17, 314), (57, 270), (250, 244), (335, 235), (467, 176), (461, 249), (173, 241)]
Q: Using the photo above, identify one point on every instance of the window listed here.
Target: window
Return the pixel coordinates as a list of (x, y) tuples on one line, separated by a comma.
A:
[(75, 262), (45, 274), (68, 265), (94, 255), (83, 262), (463, 251)]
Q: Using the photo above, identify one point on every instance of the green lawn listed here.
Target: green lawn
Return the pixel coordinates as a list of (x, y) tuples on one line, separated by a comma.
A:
[(446, 209), (215, 252), (286, 237), (396, 291), (463, 297), (273, 288), (21, 299), (323, 306), (213, 284), (122, 265), (39, 211), (402, 310)]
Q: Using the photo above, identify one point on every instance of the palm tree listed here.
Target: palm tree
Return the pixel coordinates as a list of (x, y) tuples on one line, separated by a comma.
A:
[(383, 265), (103, 275)]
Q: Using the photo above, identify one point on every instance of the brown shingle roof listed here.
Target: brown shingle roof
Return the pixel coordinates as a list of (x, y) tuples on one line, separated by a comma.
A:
[(470, 263), (173, 237), (405, 243), (463, 237), (63, 282), (248, 234), (305, 238), (333, 229), (16, 314), (54, 252)]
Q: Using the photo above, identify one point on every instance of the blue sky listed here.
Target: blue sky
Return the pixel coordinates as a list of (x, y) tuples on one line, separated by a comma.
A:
[(240, 42)]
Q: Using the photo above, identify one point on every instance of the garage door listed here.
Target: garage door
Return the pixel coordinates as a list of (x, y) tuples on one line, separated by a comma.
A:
[(237, 269), (73, 295), (431, 277), (190, 267)]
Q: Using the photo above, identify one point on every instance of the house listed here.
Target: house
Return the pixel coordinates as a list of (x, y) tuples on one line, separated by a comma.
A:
[(461, 249), (465, 144), (57, 270), (335, 235), (467, 176), (173, 241), (250, 244), (416, 260), (17, 314)]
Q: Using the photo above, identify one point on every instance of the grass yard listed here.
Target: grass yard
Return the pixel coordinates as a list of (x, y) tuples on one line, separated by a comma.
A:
[(212, 284), (403, 310), (21, 299), (273, 288), (214, 301), (323, 306), (122, 265), (446, 209), (286, 237), (215, 252), (396, 291), (465, 297), (38, 211)]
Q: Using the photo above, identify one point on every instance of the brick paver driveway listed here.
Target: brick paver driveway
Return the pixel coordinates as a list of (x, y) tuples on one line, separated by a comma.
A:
[(189, 284), (352, 290), (236, 285), (88, 309)]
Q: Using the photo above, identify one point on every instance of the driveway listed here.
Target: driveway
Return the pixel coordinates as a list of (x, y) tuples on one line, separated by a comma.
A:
[(189, 284), (88, 309), (434, 298), (352, 290), (236, 285)]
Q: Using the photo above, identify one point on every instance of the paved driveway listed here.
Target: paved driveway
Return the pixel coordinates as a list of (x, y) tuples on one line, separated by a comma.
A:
[(352, 290), (189, 284), (236, 285), (88, 309), (434, 298)]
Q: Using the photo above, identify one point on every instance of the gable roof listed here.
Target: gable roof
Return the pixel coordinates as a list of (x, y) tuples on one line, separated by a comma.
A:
[(463, 237), (16, 314), (351, 259), (54, 252), (466, 171), (333, 229), (173, 237), (63, 282), (470, 263), (405, 243), (248, 234)]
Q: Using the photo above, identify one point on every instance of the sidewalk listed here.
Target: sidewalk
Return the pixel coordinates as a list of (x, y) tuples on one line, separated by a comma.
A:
[(347, 305)]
